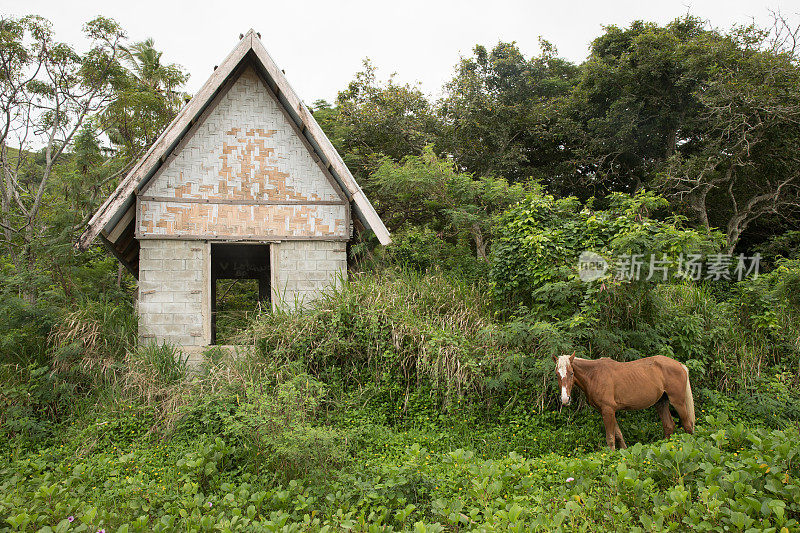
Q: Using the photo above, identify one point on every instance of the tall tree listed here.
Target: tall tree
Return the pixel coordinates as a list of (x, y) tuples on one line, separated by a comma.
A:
[(372, 119), (636, 101), (145, 100), (47, 93), (744, 162), (709, 118), (499, 111), (55, 106), (429, 190)]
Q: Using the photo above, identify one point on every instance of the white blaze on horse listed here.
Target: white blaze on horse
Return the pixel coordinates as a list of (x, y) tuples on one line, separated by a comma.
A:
[(611, 386)]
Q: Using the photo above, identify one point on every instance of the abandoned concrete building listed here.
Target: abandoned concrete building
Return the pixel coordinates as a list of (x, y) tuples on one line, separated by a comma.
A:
[(243, 184)]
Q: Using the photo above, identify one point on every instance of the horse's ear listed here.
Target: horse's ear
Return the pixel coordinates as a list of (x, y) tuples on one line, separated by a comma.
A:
[(571, 357)]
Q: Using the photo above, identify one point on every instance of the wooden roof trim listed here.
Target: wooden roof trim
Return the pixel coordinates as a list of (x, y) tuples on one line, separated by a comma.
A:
[(134, 271), (126, 219)]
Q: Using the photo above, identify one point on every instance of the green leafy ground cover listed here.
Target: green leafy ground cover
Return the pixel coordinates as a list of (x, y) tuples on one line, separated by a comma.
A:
[(398, 403), (107, 472)]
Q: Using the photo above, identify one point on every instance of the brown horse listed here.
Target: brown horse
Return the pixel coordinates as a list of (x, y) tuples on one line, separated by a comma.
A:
[(611, 386)]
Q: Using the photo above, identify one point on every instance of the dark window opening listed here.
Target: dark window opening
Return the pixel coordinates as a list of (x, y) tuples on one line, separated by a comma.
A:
[(240, 288)]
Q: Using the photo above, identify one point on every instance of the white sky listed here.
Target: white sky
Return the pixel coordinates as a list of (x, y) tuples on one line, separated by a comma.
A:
[(320, 44)]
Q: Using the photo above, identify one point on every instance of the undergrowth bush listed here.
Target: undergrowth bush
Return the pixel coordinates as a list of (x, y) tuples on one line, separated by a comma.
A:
[(408, 400), (394, 327), (422, 249), (334, 420), (272, 423), (728, 333), (24, 328), (32, 402)]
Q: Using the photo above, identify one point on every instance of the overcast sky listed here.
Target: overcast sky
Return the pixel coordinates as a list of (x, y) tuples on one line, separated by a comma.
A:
[(320, 44)]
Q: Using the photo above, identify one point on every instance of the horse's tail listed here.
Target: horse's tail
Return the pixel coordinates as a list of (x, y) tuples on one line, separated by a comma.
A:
[(689, 399)]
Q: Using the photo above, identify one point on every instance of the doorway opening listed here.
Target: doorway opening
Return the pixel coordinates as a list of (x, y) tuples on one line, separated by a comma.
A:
[(240, 288)]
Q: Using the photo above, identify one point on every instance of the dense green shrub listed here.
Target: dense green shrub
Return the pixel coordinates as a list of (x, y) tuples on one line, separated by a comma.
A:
[(24, 328), (535, 261), (32, 402), (396, 330), (733, 338), (726, 332), (270, 419), (421, 248), (535, 274)]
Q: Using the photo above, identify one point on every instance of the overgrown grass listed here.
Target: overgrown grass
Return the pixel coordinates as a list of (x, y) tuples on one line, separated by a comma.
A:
[(400, 326)]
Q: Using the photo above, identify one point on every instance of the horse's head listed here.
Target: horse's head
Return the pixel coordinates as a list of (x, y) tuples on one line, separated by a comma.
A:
[(566, 378)]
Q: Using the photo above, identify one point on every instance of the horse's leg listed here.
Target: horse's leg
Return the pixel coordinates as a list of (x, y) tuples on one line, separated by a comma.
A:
[(683, 413), (677, 397), (618, 436), (610, 422), (662, 407)]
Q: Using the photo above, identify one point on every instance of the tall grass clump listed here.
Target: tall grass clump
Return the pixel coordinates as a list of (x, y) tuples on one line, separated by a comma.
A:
[(155, 375), (395, 325), (732, 340), (94, 339), (693, 324), (763, 324)]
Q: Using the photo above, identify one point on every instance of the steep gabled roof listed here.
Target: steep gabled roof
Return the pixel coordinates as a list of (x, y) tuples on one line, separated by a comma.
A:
[(115, 221)]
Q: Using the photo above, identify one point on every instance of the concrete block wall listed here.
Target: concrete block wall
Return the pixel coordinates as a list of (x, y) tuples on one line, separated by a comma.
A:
[(305, 268), (175, 276), (173, 292)]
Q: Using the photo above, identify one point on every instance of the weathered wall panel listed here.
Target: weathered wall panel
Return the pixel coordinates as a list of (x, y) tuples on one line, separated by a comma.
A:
[(237, 221), (245, 151), (173, 288), (305, 269)]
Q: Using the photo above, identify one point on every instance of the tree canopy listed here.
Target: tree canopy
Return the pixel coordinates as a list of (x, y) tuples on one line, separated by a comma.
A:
[(706, 117)]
